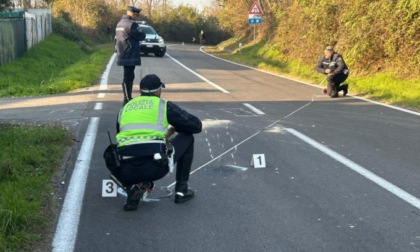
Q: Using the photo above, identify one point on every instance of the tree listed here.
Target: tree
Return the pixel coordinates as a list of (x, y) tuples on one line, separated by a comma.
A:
[(5, 5)]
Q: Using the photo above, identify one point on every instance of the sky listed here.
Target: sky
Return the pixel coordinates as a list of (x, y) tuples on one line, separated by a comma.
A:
[(199, 4)]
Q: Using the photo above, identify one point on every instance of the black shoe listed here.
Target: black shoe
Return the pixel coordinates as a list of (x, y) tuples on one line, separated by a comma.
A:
[(181, 197), (126, 101), (334, 95), (334, 91), (345, 89), (133, 197)]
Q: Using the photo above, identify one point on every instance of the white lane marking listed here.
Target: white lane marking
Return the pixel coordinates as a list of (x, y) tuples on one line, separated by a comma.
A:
[(389, 106), (101, 95), (66, 232), (199, 76), (359, 169), (98, 106), (254, 109), (62, 111), (105, 75), (314, 85)]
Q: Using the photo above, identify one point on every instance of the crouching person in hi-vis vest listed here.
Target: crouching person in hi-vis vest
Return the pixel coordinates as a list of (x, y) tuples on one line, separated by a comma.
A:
[(145, 125)]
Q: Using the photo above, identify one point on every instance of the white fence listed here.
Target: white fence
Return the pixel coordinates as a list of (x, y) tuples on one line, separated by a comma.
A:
[(19, 31), (38, 26)]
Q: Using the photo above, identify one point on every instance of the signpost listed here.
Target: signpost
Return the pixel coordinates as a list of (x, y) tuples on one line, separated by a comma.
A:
[(255, 15)]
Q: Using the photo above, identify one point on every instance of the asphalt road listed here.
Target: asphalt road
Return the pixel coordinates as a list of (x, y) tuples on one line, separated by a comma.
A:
[(340, 174)]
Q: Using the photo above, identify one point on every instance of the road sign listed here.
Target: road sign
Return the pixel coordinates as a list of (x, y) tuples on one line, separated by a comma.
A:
[(255, 9), (254, 21), (254, 16)]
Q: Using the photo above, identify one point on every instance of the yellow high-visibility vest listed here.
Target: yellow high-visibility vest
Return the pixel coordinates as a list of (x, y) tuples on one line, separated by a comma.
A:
[(143, 120)]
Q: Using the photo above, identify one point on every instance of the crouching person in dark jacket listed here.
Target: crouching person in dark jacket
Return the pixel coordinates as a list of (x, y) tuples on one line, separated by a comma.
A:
[(332, 64), (144, 126)]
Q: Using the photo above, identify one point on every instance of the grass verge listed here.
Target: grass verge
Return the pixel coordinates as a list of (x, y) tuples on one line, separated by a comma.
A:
[(383, 87), (54, 66), (31, 154), (29, 160)]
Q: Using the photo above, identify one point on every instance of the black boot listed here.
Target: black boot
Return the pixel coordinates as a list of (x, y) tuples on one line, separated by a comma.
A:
[(127, 89), (334, 91), (345, 88), (182, 192), (134, 194)]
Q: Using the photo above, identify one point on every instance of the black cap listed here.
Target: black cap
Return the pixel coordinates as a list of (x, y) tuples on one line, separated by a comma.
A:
[(133, 9), (150, 84)]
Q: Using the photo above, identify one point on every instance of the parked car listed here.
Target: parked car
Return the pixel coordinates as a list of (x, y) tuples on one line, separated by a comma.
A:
[(153, 43)]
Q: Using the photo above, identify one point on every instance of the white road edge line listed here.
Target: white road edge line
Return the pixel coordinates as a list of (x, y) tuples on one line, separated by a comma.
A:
[(104, 79), (66, 231), (254, 109), (199, 76), (98, 106), (314, 85), (359, 169)]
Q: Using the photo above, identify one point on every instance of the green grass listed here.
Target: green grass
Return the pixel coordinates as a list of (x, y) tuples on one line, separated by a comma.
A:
[(384, 87), (31, 155), (29, 160), (54, 66), (387, 88)]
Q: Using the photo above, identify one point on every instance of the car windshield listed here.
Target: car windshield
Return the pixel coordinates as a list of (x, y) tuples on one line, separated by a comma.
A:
[(148, 30)]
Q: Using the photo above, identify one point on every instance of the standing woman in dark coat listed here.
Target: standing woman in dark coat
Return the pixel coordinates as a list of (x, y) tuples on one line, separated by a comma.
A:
[(128, 37)]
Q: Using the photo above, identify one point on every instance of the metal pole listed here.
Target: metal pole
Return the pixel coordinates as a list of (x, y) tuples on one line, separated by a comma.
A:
[(254, 33)]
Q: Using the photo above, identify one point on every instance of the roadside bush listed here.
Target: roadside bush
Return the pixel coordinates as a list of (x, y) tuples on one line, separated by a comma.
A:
[(373, 36), (65, 29)]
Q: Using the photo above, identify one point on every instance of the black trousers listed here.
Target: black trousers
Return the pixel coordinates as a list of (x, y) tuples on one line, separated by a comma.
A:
[(334, 82), (128, 81), (144, 169)]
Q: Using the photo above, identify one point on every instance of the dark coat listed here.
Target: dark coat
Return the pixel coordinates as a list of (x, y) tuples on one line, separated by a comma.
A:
[(335, 63), (128, 35)]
